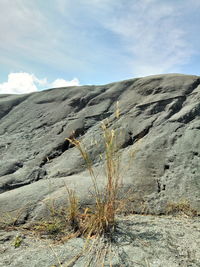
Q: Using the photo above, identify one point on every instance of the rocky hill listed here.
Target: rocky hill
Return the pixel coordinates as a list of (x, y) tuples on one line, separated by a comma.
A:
[(158, 138)]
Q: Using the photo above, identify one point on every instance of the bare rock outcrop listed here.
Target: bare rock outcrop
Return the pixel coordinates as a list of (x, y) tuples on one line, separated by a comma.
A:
[(159, 140)]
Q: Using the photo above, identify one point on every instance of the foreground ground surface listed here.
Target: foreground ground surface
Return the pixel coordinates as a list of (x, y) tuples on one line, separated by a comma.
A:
[(139, 241)]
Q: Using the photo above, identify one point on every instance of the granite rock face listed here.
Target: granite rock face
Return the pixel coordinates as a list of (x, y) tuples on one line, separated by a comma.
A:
[(158, 137)]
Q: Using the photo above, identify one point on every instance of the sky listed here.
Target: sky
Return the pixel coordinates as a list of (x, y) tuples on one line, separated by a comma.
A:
[(54, 43)]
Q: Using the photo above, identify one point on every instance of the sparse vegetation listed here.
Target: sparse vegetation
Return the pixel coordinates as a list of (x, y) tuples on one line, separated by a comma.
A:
[(17, 241), (50, 227), (73, 209), (101, 219), (8, 221), (182, 207)]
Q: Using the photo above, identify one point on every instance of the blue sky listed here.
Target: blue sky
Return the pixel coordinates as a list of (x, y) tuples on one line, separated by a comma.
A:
[(52, 43)]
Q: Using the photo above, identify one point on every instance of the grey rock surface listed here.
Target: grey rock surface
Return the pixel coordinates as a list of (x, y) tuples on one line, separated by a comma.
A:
[(158, 138), (139, 241)]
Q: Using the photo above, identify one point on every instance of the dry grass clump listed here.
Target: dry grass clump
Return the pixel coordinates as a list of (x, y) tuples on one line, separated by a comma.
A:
[(183, 207), (73, 209), (101, 219), (9, 221)]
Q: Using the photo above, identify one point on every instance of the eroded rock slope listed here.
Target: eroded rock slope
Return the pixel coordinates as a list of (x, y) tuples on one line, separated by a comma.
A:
[(158, 136)]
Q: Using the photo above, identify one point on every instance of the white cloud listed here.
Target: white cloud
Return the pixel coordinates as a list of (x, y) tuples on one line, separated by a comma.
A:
[(22, 83), (63, 83)]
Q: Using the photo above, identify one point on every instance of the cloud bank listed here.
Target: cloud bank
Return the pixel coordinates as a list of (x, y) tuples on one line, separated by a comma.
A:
[(22, 83)]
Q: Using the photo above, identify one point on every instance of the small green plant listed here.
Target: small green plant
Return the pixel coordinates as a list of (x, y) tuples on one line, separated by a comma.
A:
[(17, 241), (53, 227)]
